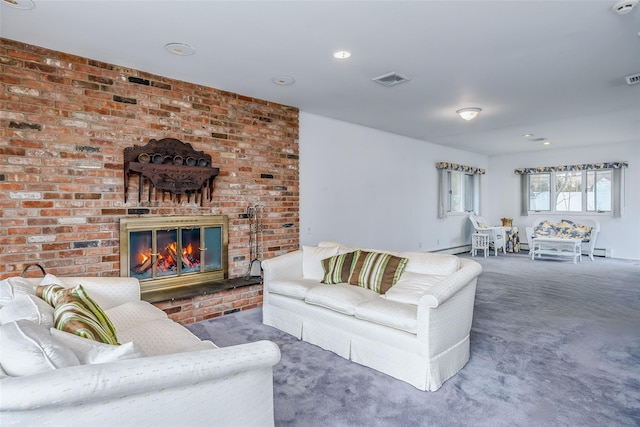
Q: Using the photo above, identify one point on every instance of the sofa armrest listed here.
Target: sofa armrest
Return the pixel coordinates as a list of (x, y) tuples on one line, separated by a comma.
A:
[(287, 266), (529, 231), (444, 290), (445, 313), (108, 381)]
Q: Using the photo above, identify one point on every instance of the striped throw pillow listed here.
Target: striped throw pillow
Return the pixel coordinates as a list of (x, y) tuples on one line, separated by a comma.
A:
[(377, 271), (77, 313), (49, 293), (338, 268)]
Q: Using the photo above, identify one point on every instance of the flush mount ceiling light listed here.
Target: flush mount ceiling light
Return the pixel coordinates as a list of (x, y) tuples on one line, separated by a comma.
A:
[(20, 4), (527, 135), (180, 49), (624, 7), (546, 143), (469, 113), (283, 80), (341, 54)]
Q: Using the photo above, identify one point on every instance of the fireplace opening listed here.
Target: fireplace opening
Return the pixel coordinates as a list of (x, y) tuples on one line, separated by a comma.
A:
[(171, 252)]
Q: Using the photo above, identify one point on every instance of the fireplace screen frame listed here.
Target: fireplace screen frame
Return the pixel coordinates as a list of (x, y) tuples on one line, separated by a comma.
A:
[(130, 225)]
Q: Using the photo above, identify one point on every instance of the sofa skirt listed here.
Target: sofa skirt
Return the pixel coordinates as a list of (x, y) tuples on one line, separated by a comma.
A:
[(393, 352)]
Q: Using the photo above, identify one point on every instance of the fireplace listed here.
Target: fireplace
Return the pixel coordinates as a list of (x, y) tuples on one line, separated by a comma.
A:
[(173, 252)]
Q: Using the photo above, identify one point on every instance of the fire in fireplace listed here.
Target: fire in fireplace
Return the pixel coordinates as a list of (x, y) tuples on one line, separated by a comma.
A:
[(170, 252)]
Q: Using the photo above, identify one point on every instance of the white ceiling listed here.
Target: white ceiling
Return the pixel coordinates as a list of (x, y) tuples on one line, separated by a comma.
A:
[(552, 68)]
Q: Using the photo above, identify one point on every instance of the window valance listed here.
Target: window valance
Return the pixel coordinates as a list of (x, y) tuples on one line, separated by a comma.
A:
[(584, 166), (459, 168)]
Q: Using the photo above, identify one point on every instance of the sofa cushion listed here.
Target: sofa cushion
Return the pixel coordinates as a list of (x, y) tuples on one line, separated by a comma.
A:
[(160, 336), (91, 352), (544, 229), (411, 287), (28, 348), (376, 270), (338, 268), (296, 288), (28, 307), (389, 313), (133, 313), (12, 287), (342, 297), (312, 257), (430, 263), (571, 230)]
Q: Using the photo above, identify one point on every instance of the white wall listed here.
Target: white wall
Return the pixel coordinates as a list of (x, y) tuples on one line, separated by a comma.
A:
[(369, 188), (621, 235)]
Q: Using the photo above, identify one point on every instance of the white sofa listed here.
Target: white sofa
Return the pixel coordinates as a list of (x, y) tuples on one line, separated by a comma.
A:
[(418, 331), (168, 377), (586, 229)]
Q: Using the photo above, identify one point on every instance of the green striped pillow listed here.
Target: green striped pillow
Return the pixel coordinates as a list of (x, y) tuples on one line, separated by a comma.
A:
[(49, 293), (338, 268), (377, 271), (75, 318), (77, 313)]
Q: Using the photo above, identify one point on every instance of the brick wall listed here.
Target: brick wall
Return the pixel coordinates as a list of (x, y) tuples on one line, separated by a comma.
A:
[(64, 123)]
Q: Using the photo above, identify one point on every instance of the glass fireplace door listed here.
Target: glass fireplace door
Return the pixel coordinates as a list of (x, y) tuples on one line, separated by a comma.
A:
[(169, 252)]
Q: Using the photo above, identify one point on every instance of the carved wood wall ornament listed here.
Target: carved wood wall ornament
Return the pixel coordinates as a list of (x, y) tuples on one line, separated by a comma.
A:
[(169, 166)]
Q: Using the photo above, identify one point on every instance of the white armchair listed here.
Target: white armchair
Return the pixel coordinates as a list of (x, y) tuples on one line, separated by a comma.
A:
[(496, 234)]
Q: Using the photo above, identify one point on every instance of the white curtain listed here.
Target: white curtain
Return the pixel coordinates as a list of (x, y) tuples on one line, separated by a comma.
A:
[(524, 195), (443, 192), (617, 190)]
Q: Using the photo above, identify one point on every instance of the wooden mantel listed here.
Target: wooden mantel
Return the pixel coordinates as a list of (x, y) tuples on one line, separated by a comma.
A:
[(169, 166)]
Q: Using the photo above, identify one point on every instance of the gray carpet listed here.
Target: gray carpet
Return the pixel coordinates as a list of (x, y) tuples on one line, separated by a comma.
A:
[(552, 344)]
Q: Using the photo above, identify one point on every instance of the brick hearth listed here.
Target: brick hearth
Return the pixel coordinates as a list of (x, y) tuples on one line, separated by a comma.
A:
[(64, 123)]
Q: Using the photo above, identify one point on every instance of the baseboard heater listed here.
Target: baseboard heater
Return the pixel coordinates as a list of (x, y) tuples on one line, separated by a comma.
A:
[(455, 250)]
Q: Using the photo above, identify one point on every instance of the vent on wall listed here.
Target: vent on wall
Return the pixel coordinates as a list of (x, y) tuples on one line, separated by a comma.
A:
[(390, 79), (633, 79)]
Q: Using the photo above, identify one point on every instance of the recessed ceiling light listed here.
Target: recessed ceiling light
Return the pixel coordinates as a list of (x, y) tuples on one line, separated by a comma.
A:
[(341, 54), (527, 135), (469, 113), (20, 4), (283, 80), (624, 7), (180, 49), (546, 143)]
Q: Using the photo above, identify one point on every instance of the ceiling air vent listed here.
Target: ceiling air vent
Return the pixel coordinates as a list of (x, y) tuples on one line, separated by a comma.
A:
[(390, 79), (633, 79)]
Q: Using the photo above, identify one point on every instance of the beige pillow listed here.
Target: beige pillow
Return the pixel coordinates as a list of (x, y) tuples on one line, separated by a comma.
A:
[(28, 348), (28, 307), (312, 257), (91, 352), (12, 287)]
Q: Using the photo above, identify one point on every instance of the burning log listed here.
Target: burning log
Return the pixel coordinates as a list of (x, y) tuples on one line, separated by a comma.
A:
[(186, 261), (143, 266)]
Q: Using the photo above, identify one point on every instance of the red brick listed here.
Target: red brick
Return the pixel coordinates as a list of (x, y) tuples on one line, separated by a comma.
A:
[(260, 138)]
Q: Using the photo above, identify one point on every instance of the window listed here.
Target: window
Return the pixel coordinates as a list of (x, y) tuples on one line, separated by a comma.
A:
[(588, 187), (571, 191), (539, 191), (458, 188), (461, 191), (599, 191)]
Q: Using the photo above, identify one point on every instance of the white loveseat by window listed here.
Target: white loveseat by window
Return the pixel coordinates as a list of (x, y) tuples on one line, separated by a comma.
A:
[(585, 229)]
